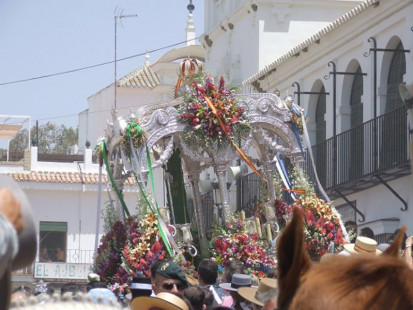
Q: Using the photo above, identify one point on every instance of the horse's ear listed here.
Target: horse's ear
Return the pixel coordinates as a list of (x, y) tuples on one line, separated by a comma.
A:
[(293, 260), (394, 248)]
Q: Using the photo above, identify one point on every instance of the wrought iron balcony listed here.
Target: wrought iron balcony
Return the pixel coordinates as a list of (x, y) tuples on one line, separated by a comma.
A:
[(352, 160)]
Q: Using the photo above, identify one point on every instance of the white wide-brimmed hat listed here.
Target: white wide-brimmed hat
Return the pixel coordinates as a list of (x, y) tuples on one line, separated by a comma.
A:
[(363, 245), (163, 300), (238, 280), (267, 289)]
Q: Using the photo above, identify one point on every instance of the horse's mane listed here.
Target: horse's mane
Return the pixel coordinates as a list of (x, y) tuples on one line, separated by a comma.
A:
[(341, 282)]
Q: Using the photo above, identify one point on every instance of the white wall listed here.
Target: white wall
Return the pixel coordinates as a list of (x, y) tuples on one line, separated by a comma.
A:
[(53, 202), (379, 203), (346, 46), (258, 37)]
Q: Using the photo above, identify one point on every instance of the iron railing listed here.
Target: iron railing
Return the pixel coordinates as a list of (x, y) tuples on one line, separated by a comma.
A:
[(12, 156), (70, 256), (251, 193), (375, 146), (207, 205)]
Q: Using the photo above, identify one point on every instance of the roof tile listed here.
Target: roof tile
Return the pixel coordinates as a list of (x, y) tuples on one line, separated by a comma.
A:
[(144, 77), (61, 177)]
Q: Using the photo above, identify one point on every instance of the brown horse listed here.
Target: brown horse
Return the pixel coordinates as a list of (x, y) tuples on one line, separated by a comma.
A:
[(344, 282)]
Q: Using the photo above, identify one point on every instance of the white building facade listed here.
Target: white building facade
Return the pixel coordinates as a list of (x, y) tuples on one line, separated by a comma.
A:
[(242, 36), (67, 208), (346, 76)]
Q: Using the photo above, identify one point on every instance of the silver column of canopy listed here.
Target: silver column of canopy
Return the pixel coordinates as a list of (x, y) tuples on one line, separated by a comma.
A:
[(193, 177)]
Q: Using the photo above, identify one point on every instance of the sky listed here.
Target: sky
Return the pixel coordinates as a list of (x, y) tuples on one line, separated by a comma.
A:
[(48, 37)]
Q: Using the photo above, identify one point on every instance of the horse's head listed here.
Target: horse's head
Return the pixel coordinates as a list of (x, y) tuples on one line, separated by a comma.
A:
[(343, 282)]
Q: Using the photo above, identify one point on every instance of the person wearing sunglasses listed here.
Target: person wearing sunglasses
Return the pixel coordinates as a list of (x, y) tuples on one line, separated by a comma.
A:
[(170, 278)]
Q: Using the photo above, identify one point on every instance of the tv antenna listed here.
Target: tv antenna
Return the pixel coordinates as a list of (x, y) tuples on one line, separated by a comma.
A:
[(118, 15)]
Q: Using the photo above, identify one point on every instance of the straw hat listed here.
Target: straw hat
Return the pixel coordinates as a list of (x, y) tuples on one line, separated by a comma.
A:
[(363, 245), (164, 301), (238, 280), (267, 289)]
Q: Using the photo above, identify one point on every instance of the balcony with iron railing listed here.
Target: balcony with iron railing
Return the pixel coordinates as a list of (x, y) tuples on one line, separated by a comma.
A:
[(354, 160), (349, 161)]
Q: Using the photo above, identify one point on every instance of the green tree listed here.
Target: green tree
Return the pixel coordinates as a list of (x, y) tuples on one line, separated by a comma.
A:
[(53, 139), (19, 142)]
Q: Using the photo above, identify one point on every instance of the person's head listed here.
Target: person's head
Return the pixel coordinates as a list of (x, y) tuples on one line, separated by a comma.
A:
[(231, 268), (196, 297), (258, 296), (207, 272), (238, 280), (95, 284), (169, 278), (367, 232), (69, 287), (272, 273), (351, 228), (141, 286), (209, 299), (81, 301), (20, 293), (154, 266), (236, 297)]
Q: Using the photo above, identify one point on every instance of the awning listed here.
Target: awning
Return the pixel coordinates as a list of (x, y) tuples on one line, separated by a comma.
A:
[(9, 131), (10, 125)]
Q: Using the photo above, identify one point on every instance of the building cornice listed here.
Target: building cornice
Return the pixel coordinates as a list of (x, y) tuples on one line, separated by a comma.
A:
[(314, 39)]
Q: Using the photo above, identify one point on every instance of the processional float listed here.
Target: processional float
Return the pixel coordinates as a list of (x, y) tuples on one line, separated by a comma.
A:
[(272, 128)]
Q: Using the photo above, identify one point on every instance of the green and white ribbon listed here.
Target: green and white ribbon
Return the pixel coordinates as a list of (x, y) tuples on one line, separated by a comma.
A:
[(162, 227), (112, 180)]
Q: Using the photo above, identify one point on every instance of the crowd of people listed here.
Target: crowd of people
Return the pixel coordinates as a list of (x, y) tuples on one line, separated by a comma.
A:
[(168, 287)]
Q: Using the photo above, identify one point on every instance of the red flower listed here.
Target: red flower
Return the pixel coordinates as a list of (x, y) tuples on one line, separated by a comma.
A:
[(330, 226)]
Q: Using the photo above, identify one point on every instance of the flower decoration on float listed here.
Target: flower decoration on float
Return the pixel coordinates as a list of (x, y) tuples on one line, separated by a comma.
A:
[(129, 249), (143, 247), (233, 242), (211, 112), (323, 233), (108, 260), (257, 273)]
